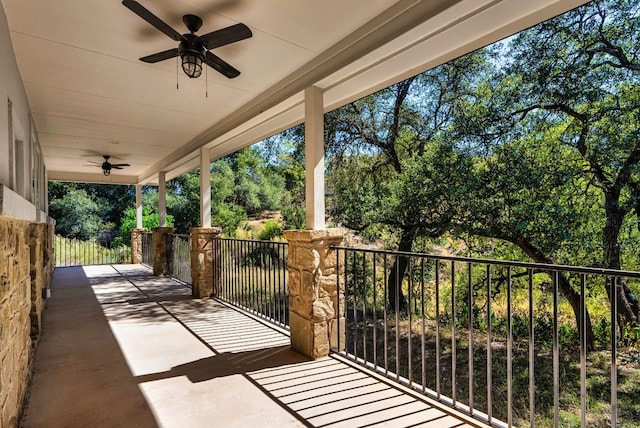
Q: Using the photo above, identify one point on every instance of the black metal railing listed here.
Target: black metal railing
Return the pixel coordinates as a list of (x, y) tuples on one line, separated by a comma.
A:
[(253, 275), (179, 265), (147, 249), (498, 340), (75, 252)]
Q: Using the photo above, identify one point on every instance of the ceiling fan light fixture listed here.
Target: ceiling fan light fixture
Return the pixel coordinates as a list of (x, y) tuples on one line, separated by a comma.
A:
[(106, 172), (192, 64)]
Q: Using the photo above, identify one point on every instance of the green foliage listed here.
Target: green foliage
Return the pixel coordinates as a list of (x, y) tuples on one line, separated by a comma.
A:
[(77, 215), (150, 219), (272, 229), (228, 218), (533, 142), (74, 252), (294, 215)]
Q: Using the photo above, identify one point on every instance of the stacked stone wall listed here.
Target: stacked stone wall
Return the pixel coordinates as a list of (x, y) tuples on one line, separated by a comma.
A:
[(313, 291), (15, 320), (204, 266), (136, 245), (161, 250), (37, 242)]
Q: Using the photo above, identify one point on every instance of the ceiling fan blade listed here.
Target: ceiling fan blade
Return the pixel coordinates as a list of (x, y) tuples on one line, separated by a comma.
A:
[(145, 14), (160, 56), (221, 66), (119, 165), (116, 167), (225, 36)]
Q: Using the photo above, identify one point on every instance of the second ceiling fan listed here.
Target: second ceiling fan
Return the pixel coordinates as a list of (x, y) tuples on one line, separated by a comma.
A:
[(193, 50)]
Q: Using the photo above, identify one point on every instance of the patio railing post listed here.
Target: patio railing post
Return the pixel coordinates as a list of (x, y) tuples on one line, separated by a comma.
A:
[(202, 266), (136, 245), (160, 262), (314, 294)]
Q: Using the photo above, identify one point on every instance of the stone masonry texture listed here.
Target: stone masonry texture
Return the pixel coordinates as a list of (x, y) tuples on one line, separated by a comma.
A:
[(26, 266), (161, 253), (203, 267), (136, 245), (313, 291)]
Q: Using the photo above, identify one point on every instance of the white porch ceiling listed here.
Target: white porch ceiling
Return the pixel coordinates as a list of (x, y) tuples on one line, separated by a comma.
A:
[(90, 95)]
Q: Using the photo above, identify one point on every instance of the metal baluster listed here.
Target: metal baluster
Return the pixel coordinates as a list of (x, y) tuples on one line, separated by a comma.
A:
[(614, 351), (354, 282), (364, 307), (470, 346), (438, 373), (375, 314), (556, 355), (532, 386), (583, 352), (338, 313), (509, 350), (386, 323), (453, 333), (397, 309), (409, 356), (422, 337), (489, 351)]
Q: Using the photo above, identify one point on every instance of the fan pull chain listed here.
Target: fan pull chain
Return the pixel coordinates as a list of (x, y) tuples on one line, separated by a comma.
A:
[(206, 81), (177, 74)]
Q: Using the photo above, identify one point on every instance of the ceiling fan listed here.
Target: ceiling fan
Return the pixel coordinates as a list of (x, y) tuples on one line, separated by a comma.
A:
[(108, 166), (193, 50)]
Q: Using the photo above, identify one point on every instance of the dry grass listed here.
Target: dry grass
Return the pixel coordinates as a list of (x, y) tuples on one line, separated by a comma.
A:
[(398, 349)]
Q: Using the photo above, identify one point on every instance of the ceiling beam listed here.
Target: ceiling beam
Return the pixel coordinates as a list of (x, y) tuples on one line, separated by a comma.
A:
[(91, 178)]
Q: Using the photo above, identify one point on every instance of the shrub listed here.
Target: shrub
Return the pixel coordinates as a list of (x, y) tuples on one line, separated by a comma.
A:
[(272, 229)]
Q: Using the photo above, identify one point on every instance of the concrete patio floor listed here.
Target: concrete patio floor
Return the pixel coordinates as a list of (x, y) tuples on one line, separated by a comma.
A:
[(122, 348)]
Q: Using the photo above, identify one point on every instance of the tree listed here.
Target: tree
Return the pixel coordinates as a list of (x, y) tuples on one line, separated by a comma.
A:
[(150, 219), (581, 71), (77, 215), (392, 164)]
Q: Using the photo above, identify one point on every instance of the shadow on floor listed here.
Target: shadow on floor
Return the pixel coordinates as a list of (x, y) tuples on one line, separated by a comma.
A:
[(80, 375), (228, 364), (122, 348)]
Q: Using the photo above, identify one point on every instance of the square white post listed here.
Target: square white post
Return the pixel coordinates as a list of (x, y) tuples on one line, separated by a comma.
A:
[(205, 188), (314, 154), (162, 199), (138, 206)]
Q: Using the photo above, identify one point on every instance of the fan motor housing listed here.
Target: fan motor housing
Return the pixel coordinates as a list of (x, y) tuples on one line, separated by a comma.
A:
[(191, 45)]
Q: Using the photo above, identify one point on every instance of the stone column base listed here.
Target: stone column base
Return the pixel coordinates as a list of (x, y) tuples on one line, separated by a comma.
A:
[(136, 245), (313, 291), (203, 269), (160, 250)]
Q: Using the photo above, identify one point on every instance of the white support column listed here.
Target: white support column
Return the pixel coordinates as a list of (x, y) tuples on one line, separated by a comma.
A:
[(46, 191), (314, 154), (205, 188), (162, 199), (138, 206)]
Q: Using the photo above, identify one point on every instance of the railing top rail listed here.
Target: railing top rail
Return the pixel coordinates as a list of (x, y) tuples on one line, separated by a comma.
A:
[(251, 240), (529, 265), (182, 235)]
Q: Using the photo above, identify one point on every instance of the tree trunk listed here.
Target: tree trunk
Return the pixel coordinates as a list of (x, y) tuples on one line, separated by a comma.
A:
[(628, 305), (397, 300), (565, 289)]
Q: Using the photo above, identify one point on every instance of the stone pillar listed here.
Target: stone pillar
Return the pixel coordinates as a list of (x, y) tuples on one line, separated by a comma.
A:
[(136, 245), (203, 268), (37, 247), (313, 291), (49, 254), (160, 250)]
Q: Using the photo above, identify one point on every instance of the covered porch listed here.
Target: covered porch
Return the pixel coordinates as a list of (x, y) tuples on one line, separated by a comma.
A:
[(129, 348)]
